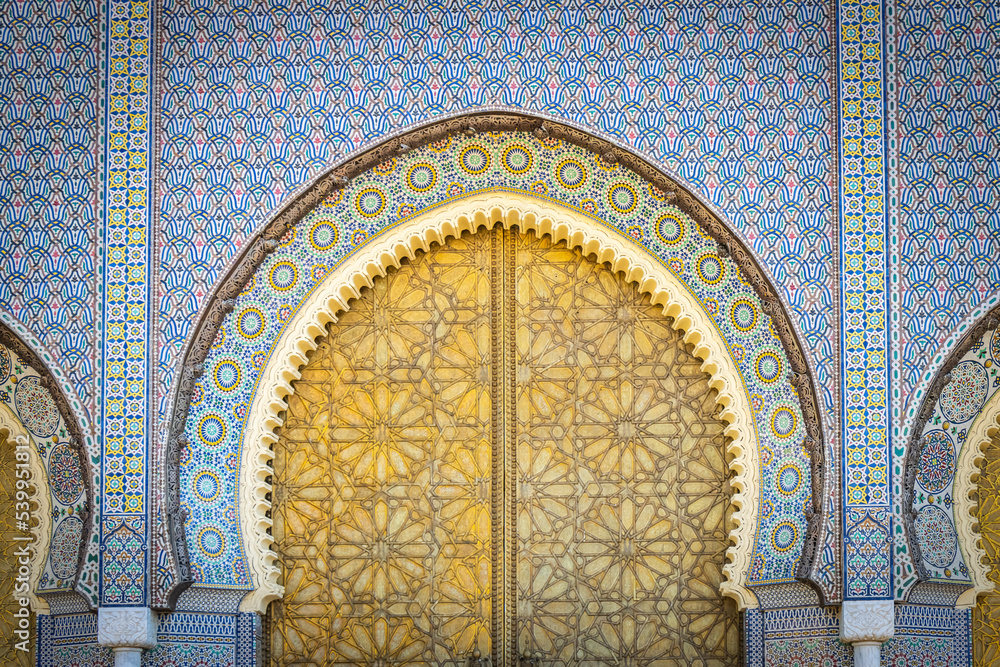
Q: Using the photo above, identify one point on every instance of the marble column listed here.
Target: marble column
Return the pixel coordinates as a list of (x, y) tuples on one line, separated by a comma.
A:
[(127, 631), (866, 624)]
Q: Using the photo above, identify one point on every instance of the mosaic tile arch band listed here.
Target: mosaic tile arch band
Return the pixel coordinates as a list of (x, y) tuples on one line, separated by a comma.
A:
[(451, 159), (952, 424), (35, 397)]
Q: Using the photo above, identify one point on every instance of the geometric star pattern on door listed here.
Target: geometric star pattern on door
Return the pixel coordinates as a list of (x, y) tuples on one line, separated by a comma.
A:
[(388, 489)]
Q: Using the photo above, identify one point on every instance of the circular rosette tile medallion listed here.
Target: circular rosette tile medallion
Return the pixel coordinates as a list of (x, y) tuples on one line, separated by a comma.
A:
[(370, 202), (937, 461), (783, 422), (711, 270), (421, 177), (211, 542), (670, 229), (64, 474), (623, 198), (64, 552), (571, 174), (517, 159), (474, 160), (35, 407), (938, 542), (965, 393), (768, 367), (784, 536), (789, 479), (743, 315), (324, 235)]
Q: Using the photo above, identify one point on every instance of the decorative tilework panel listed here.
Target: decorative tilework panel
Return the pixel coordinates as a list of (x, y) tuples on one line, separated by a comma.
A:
[(904, 651), (126, 290), (925, 636), (946, 222), (48, 178), (863, 299), (753, 637), (258, 99), (192, 640), (867, 563), (804, 636), (449, 170), (71, 641)]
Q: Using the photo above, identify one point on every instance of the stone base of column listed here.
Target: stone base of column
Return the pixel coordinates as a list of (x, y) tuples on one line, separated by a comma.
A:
[(866, 654), (128, 656)]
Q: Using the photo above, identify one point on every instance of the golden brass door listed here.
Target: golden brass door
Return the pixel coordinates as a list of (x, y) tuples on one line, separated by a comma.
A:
[(502, 446)]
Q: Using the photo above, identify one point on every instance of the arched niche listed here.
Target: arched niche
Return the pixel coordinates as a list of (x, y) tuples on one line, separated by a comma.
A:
[(955, 421), (457, 175), (41, 415)]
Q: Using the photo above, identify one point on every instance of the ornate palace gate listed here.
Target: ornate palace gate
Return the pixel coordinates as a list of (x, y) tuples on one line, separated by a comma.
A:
[(502, 446)]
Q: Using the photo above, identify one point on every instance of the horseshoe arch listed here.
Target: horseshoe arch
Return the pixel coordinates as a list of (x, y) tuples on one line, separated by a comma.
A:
[(436, 182)]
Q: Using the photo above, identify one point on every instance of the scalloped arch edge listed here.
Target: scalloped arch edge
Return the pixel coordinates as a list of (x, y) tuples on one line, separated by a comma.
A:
[(359, 270), (967, 470)]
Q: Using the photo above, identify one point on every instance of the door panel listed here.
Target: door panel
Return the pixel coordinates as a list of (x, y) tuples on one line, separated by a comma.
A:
[(623, 499), (502, 446), (384, 472)]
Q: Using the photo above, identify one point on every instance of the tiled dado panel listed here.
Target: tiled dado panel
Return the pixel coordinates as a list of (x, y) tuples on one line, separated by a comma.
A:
[(946, 225), (258, 98), (49, 87)]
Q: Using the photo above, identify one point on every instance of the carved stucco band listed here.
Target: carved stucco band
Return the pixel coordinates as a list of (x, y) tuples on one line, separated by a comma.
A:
[(333, 296), (969, 455), (168, 526), (18, 436), (966, 499), (58, 391)]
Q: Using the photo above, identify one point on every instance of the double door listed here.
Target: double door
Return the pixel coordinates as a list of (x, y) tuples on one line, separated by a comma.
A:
[(502, 447)]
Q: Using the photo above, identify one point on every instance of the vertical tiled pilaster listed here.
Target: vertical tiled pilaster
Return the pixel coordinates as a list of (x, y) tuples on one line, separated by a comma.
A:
[(125, 423), (864, 359)]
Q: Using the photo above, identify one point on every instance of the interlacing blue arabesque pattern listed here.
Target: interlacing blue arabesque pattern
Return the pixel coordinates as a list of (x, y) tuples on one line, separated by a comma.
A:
[(49, 178), (946, 223)]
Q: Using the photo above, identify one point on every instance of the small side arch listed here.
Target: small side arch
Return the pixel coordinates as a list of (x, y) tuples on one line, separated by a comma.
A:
[(41, 414), (954, 418)]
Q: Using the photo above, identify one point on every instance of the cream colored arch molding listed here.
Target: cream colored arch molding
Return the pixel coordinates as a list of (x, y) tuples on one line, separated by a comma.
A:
[(967, 469), (344, 283), (18, 436)]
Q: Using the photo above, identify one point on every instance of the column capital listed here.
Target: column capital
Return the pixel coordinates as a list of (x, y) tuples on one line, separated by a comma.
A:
[(126, 627), (867, 621)]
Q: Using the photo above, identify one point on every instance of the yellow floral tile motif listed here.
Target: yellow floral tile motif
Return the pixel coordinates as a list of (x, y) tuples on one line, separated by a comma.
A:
[(502, 446)]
